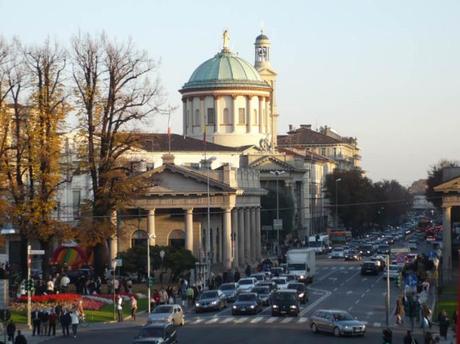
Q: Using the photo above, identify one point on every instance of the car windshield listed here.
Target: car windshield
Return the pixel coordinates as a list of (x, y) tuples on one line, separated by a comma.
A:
[(246, 297), (296, 266), (245, 282), (279, 280), (163, 309), (227, 287), (284, 297), (208, 295), (394, 267), (342, 316), (296, 286), (338, 249), (260, 290), (149, 332)]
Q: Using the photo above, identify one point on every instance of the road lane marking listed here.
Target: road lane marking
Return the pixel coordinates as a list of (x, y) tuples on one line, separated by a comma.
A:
[(368, 290), (342, 268), (256, 320), (240, 320), (270, 320), (364, 279), (349, 292), (350, 308), (377, 324), (287, 320), (335, 289), (227, 320), (302, 320), (197, 321), (327, 293), (213, 320), (325, 276), (351, 277), (356, 302), (362, 296)]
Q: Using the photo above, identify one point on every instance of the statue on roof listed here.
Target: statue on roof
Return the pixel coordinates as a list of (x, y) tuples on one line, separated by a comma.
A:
[(226, 39)]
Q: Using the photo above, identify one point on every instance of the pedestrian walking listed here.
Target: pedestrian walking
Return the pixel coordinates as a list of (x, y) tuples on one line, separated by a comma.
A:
[(133, 307), (120, 308), (247, 271), (387, 336), (20, 339), (236, 276), (11, 330), (74, 321), (443, 320), (36, 321), (399, 312), (66, 320), (190, 295), (408, 339), (44, 319), (428, 338)]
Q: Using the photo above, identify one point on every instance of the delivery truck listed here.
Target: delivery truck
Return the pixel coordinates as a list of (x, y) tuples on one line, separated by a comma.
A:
[(302, 264)]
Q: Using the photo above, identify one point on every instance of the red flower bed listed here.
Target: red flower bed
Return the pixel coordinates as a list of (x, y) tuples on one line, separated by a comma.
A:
[(51, 298), (92, 305)]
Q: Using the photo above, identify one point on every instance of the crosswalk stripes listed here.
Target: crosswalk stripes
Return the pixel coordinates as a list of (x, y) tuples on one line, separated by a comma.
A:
[(257, 320)]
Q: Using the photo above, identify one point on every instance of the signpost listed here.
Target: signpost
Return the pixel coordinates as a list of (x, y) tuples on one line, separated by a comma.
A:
[(29, 285)]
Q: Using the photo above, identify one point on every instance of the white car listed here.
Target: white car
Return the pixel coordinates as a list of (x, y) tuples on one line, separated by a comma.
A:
[(338, 252), (246, 284), (281, 282)]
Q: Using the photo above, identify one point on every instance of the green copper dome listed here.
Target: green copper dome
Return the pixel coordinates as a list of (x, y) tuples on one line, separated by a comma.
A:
[(225, 70)]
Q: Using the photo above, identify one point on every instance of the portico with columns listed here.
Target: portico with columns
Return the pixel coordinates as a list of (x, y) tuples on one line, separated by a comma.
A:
[(172, 209)]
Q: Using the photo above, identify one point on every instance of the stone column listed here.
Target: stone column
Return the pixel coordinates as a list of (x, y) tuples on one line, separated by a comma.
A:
[(114, 238), (235, 113), (258, 235), (447, 244), (227, 238), (189, 229), (248, 114), (214, 244), (261, 114), (151, 227), (247, 234), (241, 236), (221, 243), (235, 238), (267, 116), (253, 235)]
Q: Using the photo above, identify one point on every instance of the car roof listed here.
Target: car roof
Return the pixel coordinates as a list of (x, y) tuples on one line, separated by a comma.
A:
[(160, 324), (286, 291)]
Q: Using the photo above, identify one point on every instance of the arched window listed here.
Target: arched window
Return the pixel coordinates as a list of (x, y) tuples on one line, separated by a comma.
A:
[(139, 238), (176, 238)]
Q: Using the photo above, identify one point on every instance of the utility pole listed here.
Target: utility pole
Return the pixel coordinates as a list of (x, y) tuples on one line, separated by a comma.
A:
[(387, 300), (29, 291), (336, 203)]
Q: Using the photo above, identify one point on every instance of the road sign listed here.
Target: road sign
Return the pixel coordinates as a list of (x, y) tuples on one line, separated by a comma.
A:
[(277, 224), (411, 280), (118, 262), (37, 252)]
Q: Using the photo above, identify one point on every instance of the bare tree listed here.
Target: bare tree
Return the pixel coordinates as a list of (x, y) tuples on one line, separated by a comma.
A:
[(113, 92)]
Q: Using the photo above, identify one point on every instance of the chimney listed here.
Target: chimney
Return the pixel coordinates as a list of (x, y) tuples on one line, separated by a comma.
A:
[(305, 126), (291, 127), (168, 159)]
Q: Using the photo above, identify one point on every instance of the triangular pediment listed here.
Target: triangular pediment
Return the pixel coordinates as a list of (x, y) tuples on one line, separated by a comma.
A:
[(270, 163), (267, 71), (171, 179), (452, 185)]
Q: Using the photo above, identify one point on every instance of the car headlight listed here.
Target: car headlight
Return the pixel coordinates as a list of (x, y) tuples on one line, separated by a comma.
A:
[(301, 295), (197, 304), (293, 306), (252, 306), (302, 276), (214, 302), (275, 306)]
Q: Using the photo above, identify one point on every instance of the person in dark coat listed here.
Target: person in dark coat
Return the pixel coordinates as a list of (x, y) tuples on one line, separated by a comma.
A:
[(236, 276), (52, 323), (408, 339), (65, 322), (11, 330), (247, 271), (36, 321), (20, 339), (443, 320)]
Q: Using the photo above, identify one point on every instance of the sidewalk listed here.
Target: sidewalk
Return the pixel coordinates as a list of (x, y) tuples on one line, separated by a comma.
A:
[(141, 319)]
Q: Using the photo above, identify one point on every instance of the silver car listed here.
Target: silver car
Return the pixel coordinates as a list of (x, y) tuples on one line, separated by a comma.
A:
[(229, 290), (338, 322), (167, 313)]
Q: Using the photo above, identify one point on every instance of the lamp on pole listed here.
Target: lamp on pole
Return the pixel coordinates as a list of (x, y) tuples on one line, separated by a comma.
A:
[(114, 267), (149, 279), (277, 174), (336, 203), (207, 163)]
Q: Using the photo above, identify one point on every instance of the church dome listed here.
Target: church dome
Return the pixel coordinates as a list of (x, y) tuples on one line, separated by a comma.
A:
[(226, 70)]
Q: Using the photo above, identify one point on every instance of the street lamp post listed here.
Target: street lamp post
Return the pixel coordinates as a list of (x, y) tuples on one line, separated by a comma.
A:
[(387, 299), (114, 267), (277, 174), (149, 282), (336, 203)]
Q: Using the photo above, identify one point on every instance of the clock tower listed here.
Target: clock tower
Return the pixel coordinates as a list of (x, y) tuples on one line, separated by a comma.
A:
[(268, 74)]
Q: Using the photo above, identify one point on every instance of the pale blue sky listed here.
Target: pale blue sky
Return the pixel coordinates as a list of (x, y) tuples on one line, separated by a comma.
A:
[(387, 72)]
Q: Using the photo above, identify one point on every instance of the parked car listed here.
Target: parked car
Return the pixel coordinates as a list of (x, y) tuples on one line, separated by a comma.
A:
[(302, 291), (246, 284), (285, 302), (369, 268), (229, 290), (337, 252), (157, 333), (211, 300), (246, 303), (167, 313), (263, 294), (338, 322)]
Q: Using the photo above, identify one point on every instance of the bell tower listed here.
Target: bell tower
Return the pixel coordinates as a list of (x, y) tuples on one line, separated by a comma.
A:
[(262, 64)]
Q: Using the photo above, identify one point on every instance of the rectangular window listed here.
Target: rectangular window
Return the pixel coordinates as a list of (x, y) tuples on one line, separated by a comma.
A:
[(226, 120), (241, 116), (211, 116), (76, 203)]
